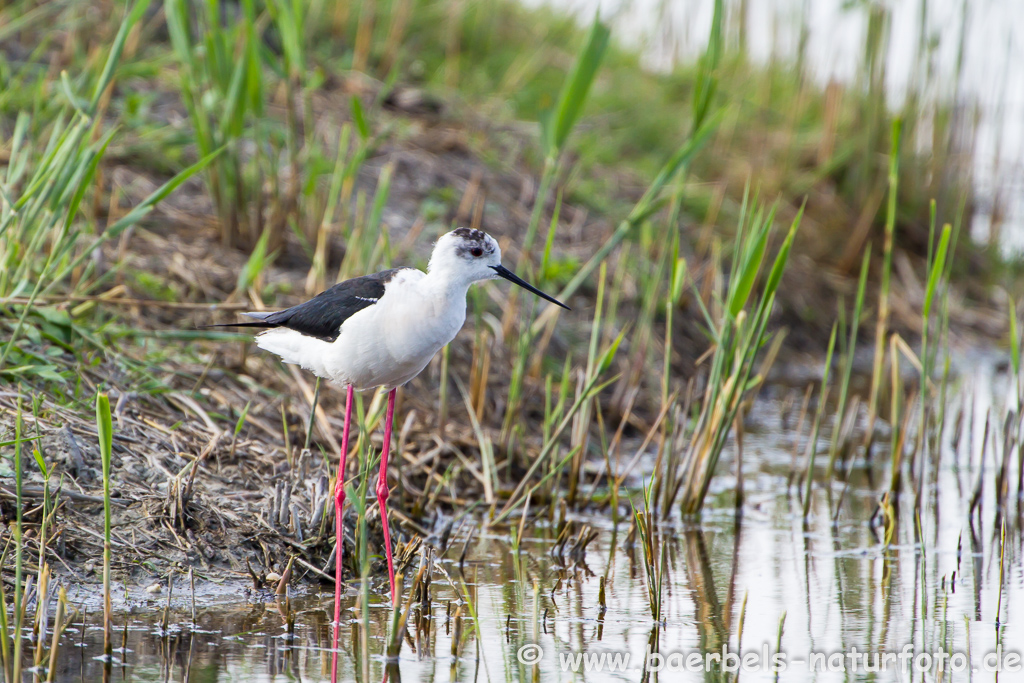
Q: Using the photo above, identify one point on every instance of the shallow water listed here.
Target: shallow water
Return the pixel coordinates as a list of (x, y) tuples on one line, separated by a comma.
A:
[(841, 590)]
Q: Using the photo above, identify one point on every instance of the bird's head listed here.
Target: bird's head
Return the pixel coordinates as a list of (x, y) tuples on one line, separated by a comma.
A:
[(472, 255), (469, 253)]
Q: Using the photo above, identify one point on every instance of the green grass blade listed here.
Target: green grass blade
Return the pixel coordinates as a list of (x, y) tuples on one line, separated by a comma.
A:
[(105, 431), (641, 209), (134, 216), (577, 86), (138, 10), (775, 277), (752, 261), (258, 260), (707, 80), (87, 178), (938, 267), (359, 117)]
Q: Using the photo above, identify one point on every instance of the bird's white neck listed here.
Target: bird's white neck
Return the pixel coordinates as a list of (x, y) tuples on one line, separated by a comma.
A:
[(447, 284)]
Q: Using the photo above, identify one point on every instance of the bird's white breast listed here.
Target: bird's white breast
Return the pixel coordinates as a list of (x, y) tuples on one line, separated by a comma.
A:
[(389, 343)]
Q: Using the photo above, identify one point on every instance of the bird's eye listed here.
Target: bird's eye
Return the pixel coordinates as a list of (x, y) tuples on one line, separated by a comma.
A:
[(477, 252)]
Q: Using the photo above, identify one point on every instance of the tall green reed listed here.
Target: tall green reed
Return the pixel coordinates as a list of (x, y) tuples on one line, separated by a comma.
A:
[(812, 442), (267, 180), (936, 268), (703, 125), (848, 355), (881, 326), (654, 557), (581, 429), (105, 431), (556, 126), (591, 386), (737, 334), (316, 279), (220, 81), (648, 204), (11, 629), (704, 122)]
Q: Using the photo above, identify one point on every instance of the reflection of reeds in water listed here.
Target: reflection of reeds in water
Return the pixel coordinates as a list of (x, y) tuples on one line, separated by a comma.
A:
[(714, 619), (710, 616), (400, 615)]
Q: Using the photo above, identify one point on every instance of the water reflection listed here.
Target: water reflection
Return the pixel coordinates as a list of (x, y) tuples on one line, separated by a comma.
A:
[(759, 582)]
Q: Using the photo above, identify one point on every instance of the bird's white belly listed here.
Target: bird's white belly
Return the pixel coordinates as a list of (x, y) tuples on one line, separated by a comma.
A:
[(390, 343)]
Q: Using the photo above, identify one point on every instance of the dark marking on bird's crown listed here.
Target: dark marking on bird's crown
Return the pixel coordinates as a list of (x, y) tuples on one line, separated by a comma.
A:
[(470, 234), (474, 243)]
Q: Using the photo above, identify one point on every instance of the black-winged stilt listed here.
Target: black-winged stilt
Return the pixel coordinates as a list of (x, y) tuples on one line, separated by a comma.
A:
[(381, 330)]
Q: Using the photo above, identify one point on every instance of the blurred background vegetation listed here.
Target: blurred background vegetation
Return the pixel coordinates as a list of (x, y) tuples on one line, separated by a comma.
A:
[(273, 86)]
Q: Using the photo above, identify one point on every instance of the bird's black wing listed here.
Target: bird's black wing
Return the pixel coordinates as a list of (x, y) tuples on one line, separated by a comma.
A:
[(322, 316)]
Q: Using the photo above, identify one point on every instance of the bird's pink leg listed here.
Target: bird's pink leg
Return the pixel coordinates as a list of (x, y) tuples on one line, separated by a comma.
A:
[(382, 489), (339, 530)]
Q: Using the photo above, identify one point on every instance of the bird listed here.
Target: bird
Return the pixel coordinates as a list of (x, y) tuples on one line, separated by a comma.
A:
[(381, 330)]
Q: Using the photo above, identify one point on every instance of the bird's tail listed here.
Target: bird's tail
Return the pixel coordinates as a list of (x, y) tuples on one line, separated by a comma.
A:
[(260, 316)]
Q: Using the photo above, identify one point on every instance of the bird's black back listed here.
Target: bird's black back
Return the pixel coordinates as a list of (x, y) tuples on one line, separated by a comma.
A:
[(322, 316)]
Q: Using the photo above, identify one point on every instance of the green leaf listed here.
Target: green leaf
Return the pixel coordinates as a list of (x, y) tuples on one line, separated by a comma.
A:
[(938, 266), (105, 430), (257, 262), (69, 92), (41, 462), (609, 353), (678, 279), (707, 79), (115, 53), (254, 86), (577, 86), (136, 214), (241, 418), (86, 181), (54, 315), (780, 259), (360, 118), (133, 216), (753, 257), (681, 157), (234, 108)]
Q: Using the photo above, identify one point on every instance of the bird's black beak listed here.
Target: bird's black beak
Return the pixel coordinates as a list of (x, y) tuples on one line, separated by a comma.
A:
[(512, 277)]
